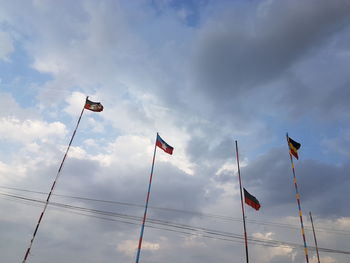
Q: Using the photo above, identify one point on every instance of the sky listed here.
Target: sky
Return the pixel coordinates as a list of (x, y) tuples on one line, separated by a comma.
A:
[(203, 74)]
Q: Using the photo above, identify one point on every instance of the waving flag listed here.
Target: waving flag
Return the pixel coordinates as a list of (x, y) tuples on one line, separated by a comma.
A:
[(93, 106), (293, 147), (251, 200), (164, 146)]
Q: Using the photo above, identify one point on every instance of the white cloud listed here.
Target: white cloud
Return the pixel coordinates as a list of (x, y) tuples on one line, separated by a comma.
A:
[(75, 103), (91, 143), (11, 172), (128, 247), (27, 131), (136, 148), (77, 152), (344, 222), (50, 65), (284, 251)]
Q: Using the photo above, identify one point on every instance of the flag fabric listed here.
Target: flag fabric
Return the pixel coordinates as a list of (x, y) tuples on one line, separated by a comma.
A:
[(164, 146), (251, 200), (293, 147), (93, 106)]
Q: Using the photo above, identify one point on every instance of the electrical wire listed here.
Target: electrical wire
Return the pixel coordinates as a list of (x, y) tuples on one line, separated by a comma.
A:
[(200, 214), (165, 225)]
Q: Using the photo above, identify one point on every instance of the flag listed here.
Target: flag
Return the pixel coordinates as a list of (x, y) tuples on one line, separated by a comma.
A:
[(93, 106), (163, 145), (293, 147), (251, 200)]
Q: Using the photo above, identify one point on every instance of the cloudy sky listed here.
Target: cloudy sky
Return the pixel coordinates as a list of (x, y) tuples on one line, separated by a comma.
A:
[(203, 74)]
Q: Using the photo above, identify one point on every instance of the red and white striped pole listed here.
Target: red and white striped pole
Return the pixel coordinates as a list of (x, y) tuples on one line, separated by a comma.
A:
[(146, 205), (51, 190)]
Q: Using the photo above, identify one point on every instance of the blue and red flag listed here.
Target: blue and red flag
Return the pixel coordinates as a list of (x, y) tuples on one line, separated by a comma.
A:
[(163, 145)]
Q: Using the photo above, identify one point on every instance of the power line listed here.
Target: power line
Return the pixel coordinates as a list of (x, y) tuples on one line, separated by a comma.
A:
[(208, 215), (165, 225)]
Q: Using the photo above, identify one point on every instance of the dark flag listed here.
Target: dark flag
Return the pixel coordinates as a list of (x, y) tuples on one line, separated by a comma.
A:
[(293, 147), (251, 200), (93, 106), (164, 146)]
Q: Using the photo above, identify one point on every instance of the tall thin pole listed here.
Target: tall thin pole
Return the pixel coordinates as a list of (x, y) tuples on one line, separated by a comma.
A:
[(240, 189), (297, 195), (52, 189), (313, 230), (146, 205)]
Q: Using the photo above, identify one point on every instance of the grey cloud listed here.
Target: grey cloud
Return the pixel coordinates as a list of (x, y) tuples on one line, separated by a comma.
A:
[(171, 188), (337, 101), (229, 96), (322, 186), (233, 57), (203, 149), (340, 144)]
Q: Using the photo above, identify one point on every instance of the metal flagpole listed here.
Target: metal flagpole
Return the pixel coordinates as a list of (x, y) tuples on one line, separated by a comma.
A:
[(146, 205), (313, 230), (52, 188), (240, 189), (299, 206)]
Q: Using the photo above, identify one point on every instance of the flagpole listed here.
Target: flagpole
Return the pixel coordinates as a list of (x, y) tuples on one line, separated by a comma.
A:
[(52, 188), (313, 230), (299, 206), (146, 205), (240, 189)]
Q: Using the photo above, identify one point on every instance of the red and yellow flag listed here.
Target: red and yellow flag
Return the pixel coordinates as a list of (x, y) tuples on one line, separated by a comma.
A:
[(293, 147)]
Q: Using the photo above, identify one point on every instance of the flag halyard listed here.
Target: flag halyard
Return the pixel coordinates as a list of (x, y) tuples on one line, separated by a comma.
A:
[(164, 146)]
